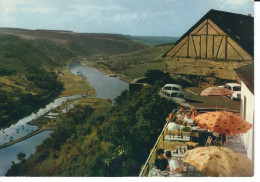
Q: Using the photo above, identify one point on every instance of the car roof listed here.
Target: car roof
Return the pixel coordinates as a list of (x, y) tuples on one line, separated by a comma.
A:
[(233, 84), (173, 91), (172, 85)]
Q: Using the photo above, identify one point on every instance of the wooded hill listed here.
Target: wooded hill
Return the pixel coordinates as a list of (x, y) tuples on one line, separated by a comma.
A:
[(28, 61), (115, 143)]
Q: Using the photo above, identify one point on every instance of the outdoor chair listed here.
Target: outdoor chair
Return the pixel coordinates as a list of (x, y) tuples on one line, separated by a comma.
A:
[(195, 134), (169, 145), (166, 132), (191, 145), (175, 132), (217, 141), (186, 133), (208, 142)]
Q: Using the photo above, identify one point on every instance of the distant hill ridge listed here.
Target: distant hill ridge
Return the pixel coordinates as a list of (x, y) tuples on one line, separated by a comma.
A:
[(82, 44), (61, 34), (153, 40)]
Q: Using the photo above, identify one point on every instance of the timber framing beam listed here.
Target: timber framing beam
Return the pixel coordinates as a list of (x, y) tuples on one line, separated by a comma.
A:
[(219, 47), (207, 30)]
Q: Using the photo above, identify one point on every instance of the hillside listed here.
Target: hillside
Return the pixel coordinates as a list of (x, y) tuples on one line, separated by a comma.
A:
[(153, 40), (82, 44), (28, 62), (27, 79), (132, 65), (115, 143)]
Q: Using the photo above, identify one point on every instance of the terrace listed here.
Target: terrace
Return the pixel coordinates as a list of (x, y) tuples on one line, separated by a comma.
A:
[(180, 145)]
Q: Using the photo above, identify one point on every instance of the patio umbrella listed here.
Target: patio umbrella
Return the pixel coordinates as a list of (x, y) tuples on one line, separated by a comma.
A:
[(220, 161), (223, 122), (216, 91)]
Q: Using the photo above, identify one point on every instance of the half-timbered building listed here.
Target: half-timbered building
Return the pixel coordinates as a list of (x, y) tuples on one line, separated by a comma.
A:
[(216, 45)]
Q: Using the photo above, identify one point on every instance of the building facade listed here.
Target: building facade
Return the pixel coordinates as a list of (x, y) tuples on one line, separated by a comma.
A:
[(247, 108), (216, 45)]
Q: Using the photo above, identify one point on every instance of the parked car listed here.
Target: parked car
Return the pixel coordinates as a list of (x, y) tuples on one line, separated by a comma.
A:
[(176, 87), (173, 95), (236, 88)]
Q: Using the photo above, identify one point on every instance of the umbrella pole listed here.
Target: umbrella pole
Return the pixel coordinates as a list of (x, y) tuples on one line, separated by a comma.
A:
[(216, 103), (221, 140)]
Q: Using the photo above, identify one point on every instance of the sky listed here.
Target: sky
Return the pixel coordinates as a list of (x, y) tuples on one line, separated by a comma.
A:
[(129, 17)]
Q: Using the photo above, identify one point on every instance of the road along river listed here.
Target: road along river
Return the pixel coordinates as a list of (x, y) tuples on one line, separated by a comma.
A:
[(106, 88)]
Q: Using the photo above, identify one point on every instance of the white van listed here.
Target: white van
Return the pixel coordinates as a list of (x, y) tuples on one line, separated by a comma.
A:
[(236, 88)]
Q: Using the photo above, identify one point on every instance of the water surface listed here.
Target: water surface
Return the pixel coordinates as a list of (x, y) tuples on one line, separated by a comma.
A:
[(28, 146)]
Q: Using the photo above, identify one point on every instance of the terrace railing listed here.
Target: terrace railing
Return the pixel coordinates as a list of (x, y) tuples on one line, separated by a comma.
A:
[(151, 158)]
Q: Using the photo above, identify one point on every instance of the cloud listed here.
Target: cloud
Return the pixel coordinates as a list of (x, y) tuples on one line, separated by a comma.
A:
[(238, 1), (235, 2), (83, 8), (131, 17), (41, 10), (7, 7)]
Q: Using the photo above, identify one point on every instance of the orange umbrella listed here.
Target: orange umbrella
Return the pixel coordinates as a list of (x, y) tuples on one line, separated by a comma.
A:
[(219, 161), (223, 122), (216, 91)]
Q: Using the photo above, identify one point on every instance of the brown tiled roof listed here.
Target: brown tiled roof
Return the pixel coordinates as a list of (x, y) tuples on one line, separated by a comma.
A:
[(239, 27), (246, 73)]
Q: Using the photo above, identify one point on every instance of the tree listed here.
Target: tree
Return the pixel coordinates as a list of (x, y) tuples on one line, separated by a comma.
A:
[(21, 156)]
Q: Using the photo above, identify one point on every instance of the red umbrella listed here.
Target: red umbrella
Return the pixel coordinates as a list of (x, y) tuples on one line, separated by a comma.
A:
[(216, 91)]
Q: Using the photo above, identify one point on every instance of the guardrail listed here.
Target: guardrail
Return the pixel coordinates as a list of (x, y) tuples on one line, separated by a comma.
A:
[(148, 164)]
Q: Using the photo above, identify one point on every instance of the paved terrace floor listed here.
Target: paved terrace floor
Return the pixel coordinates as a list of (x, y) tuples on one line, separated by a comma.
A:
[(234, 143)]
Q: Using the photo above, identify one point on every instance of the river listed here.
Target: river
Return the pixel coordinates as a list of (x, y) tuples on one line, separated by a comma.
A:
[(106, 88)]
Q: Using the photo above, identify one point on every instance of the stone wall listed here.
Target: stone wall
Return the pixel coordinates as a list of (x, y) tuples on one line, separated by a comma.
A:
[(223, 69)]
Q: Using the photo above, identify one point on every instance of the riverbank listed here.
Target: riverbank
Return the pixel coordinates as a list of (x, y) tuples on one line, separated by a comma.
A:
[(103, 69), (44, 128), (99, 105), (44, 123), (74, 84)]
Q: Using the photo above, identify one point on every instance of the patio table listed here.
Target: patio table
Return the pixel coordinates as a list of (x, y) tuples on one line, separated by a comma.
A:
[(158, 173), (177, 138), (179, 156), (195, 128)]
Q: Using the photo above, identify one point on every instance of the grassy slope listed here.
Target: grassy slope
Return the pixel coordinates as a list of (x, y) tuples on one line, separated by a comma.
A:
[(154, 40), (149, 59), (132, 65), (74, 85), (83, 44)]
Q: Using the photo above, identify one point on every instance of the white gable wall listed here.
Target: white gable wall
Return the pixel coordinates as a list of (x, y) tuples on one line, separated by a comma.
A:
[(247, 112)]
